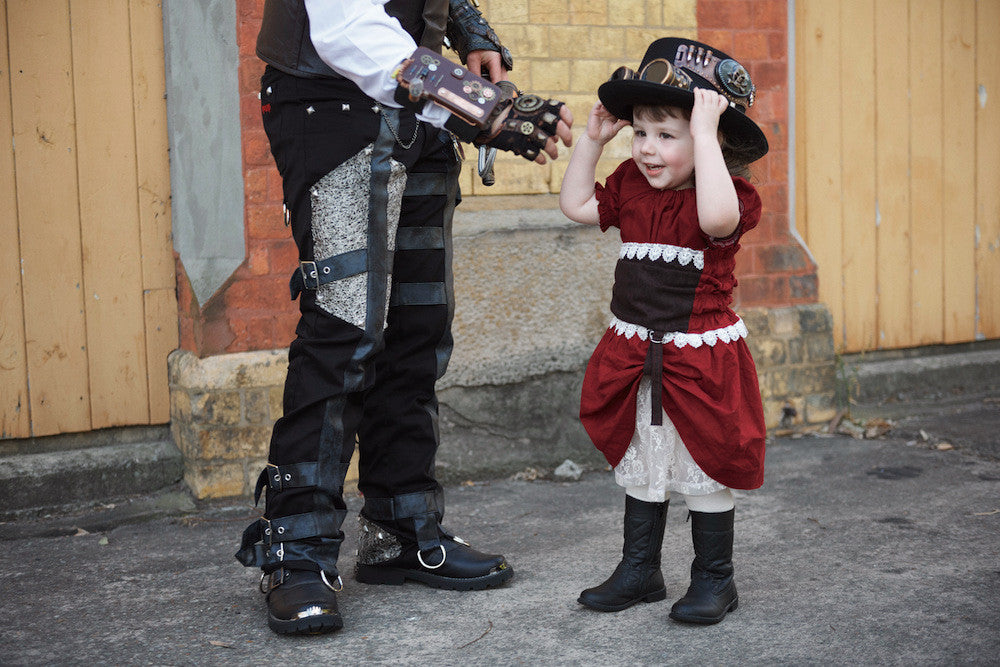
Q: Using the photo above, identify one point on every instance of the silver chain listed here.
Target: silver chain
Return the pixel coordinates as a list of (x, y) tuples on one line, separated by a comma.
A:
[(416, 128)]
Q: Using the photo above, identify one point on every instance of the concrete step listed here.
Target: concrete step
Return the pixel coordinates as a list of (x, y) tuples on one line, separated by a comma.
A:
[(937, 375), (111, 464)]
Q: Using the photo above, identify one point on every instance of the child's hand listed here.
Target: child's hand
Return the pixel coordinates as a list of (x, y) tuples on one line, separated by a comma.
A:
[(602, 126), (708, 108)]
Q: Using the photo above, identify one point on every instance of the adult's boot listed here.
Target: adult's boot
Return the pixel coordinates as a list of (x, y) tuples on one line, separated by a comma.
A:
[(638, 576), (712, 593), (401, 539)]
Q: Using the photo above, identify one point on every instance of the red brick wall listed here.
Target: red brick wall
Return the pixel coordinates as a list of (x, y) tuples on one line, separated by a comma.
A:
[(772, 268), (252, 310)]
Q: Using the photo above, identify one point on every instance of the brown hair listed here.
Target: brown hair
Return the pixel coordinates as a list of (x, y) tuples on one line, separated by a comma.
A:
[(734, 153)]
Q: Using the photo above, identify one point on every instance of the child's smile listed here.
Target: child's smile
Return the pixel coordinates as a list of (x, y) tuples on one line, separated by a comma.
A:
[(664, 152)]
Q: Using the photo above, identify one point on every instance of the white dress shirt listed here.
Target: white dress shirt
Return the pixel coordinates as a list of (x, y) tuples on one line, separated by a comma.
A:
[(359, 41)]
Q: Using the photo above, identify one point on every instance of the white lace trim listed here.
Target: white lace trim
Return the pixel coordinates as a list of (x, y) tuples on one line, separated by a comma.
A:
[(726, 334), (657, 458), (668, 253)]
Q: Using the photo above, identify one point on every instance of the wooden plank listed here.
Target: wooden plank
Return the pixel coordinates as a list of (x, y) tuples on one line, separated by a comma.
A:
[(857, 100), (153, 176), (822, 128), (926, 177), (958, 166), (801, 169), (14, 408), (892, 167), (45, 163), (109, 217), (988, 167), (161, 340), (152, 145)]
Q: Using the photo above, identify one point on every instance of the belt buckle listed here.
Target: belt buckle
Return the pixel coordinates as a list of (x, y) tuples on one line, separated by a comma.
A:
[(275, 476), (312, 275)]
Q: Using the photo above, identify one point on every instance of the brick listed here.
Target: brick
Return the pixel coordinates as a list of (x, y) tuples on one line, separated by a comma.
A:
[(768, 352), (256, 150), (804, 288), (255, 406), (222, 408), (282, 256), (588, 12), (820, 408), (679, 14), (756, 321), (215, 481), (549, 76), (255, 184), (796, 351), (724, 14), (770, 14), (275, 402), (720, 39), (266, 221), (777, 259), (548, 11), (234, 443), (749, 47), (629, 13), (257, 262), (508, 11), (815, 319), (819, 348)]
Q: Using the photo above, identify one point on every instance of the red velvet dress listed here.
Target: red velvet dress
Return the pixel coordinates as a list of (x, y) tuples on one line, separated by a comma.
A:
[(679, 281)]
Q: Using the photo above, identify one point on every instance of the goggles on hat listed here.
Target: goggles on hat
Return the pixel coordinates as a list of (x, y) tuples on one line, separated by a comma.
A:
[(728, 77)]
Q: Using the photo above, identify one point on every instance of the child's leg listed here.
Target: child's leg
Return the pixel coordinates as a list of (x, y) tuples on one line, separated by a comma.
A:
[(720, 501), (712, 593), (638, 576)]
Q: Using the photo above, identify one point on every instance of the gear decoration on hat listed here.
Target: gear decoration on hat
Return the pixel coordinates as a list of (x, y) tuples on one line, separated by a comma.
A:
[(735, 79)]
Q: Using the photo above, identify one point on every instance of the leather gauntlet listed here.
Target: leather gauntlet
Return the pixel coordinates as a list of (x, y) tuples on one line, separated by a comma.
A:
[(529, 125), (467, 31)]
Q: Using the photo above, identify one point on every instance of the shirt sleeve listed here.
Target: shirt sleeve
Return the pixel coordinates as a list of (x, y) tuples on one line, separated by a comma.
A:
[(750, 210), (609, 199), (359, 41)]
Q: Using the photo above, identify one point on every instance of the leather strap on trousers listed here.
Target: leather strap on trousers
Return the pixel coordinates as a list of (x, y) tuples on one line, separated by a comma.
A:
[(425, 508)]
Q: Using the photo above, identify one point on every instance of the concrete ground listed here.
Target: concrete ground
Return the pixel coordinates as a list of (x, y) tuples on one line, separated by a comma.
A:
[(855, 551)]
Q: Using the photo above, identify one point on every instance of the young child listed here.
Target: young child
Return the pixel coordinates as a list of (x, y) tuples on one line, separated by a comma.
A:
[(670, 395)]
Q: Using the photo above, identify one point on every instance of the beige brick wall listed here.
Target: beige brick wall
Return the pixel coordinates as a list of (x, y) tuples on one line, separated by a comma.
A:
[(565, 49)]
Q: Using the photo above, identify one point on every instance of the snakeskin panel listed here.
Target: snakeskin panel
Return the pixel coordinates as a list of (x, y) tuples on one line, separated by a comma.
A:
[(376, 545), (340, 224)]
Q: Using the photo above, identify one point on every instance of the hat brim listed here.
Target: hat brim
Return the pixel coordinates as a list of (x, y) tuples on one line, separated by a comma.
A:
[(620, 96)]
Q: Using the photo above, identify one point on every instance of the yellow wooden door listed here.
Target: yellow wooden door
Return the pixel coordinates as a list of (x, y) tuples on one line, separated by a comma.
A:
[(88, 309), (897, 166)]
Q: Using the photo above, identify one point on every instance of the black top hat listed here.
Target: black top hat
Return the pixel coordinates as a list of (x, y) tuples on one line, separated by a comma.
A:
[(670, 70)]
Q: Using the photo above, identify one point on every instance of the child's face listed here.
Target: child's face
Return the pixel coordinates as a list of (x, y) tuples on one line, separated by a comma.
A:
[(664, 151)]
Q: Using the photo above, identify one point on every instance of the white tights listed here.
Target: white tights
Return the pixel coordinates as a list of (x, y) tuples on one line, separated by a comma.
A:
[(718, 501)]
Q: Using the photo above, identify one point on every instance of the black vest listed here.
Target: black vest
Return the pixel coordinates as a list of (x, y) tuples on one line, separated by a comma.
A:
[(284, 43)]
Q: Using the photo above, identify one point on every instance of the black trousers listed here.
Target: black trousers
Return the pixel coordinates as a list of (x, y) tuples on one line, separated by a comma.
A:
[(375, 335)]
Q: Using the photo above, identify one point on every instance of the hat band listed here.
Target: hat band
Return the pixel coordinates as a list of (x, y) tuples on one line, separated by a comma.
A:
[(730, 78)]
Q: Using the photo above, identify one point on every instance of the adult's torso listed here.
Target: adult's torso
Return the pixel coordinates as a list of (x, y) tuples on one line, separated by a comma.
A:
[(284, 42)]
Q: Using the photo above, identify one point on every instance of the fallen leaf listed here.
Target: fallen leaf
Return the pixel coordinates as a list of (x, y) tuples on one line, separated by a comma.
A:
[(80, 531), (945, 446), (220, 644)]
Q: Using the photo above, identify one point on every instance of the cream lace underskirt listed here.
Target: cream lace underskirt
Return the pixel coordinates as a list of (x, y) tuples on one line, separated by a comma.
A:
[(657, 458)]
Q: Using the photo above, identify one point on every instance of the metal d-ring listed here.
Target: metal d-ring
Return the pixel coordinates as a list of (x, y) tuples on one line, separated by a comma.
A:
[(340, 582), (444, 557), (260, 584)]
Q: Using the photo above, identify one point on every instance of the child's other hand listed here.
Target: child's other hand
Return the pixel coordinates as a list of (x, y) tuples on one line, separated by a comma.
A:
[(708, 108), (602, 126)]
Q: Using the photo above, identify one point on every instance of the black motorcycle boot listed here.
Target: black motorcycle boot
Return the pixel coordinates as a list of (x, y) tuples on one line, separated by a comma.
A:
[(407, 542), (638, 576), (301, 602), (712, 593)]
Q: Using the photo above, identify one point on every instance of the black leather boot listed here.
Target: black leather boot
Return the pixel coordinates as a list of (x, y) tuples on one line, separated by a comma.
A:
[(712, 593), (301, 602), (407, 542), (638, 576)]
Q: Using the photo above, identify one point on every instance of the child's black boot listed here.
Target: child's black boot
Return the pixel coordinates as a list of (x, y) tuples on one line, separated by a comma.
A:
[(638, 576), (712, 593)]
